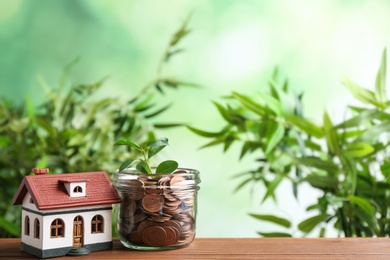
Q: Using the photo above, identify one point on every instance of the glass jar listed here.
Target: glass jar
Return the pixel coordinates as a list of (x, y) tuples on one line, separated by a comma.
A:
[(158, 211)]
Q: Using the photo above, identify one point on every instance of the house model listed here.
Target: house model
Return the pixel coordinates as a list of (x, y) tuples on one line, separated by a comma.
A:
[(66, 213)]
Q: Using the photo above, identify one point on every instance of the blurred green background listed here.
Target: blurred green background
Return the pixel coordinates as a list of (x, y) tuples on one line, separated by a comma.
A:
[(234, 45)]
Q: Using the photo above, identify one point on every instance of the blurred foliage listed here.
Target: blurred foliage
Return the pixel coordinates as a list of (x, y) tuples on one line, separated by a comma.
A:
[(74, 130), (347, 162)]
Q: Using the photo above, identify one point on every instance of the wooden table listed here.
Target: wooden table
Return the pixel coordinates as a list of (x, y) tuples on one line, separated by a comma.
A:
[(238, 248)]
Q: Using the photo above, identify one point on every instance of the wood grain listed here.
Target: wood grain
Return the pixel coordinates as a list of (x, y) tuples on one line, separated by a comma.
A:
[(238, 248)]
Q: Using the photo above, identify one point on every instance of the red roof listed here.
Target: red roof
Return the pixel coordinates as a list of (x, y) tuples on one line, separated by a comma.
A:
[(48, 190)]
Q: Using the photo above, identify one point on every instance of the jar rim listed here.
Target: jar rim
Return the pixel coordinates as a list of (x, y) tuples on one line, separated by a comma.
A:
[(132, 174), (134, 171)]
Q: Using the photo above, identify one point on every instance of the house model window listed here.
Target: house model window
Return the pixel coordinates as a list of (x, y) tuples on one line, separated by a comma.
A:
[(75, 187), (27, 226), (36, 228), (97, 224), (57, 228)]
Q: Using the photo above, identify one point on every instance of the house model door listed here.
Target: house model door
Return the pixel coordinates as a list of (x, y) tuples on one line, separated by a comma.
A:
[(78, 231)]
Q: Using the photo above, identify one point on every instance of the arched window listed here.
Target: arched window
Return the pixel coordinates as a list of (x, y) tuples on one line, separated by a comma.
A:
[(57, 228), (27, 226), (97, 224), (31, 200), (78, 189), (36, 228)]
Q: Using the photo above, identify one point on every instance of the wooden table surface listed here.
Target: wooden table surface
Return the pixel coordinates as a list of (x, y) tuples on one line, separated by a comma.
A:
[(237, 248)]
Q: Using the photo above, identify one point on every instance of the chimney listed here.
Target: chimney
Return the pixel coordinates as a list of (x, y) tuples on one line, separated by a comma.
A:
[(40, 171)]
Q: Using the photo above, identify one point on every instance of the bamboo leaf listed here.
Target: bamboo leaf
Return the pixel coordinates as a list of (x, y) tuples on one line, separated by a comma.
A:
[(276, 137), (273, 219), (167, 125), (362, 118), (305, 125), (224, 113), (181, 33), (380, 83), (161, 110), (309, 224), (274, 234), (358, 150), (208, 134), (385, 169), (317, 163), (330, 134), (242, 184), (249, 103), (373, 132), (319, 181), (363, 204), (272, 186), (364, 95), (249, 146), (272, 103), (349, 166)]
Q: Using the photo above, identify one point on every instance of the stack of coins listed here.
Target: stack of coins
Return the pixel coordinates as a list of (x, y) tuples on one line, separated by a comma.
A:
[(158, 210)]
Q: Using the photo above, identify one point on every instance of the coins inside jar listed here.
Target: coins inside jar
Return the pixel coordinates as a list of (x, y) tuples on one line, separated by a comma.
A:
[(158, 211)]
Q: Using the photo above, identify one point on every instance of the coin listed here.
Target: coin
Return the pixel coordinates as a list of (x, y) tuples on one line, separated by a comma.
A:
[(144, 225), (172, 235), (152, 203), (154, 236)]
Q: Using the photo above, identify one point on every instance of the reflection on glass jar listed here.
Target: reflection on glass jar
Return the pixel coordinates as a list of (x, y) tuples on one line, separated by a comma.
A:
[(158, 211)]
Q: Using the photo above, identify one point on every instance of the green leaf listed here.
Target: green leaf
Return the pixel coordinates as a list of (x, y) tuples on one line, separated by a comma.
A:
[(385, 169), (373, 132), (309, 224), (248, 146), (362, 118), (4, 141), (330, 134), (128, 143), (126, 164), (272, 103), (181, 33), (249, 103), (168, 166), (42, 163), (167, 125), (305, 125), (349, 166), (358, 150), (10, 227), (224, 113), (156, 146), (363, 204), (273, 219), (364, 95), (319, 181), (275, 138), (380, 83), (317, 163), (274, 234), (161, 110), (243, 183), (208, 134), (143, 167), (273, 185)]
